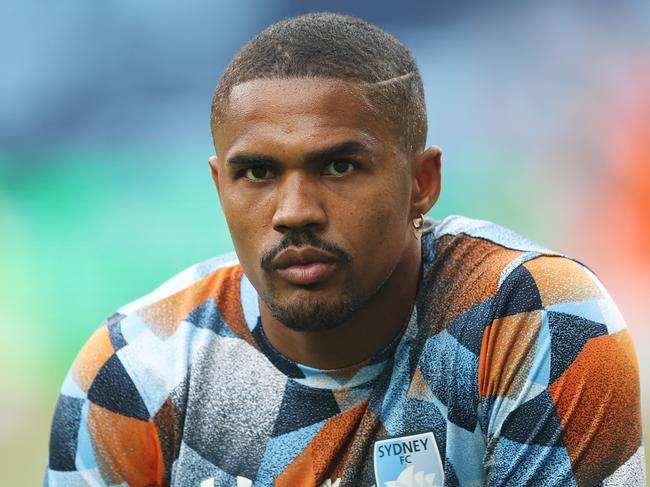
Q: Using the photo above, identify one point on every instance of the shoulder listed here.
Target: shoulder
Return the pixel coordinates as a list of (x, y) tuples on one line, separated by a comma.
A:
[(199, 294), (529, 343), (135, 359), (457, 236), (184, 280), (557, 367), (477, 264), (493, 290), (467, 261), (551, 319), (121, 403)]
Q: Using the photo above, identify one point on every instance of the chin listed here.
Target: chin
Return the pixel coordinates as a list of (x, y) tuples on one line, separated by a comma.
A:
[(312, 313)]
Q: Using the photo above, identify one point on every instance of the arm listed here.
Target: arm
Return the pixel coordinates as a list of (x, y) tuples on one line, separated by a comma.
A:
[(102, 432), (559, 384)]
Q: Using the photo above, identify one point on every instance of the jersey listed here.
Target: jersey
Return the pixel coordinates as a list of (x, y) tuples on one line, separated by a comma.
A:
[(516, 368)]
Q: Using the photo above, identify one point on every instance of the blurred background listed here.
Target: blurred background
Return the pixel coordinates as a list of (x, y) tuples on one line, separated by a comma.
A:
[(542, 110)]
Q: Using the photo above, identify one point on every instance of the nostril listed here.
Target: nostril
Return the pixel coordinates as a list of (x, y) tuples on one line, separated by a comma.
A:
[(300, 216)]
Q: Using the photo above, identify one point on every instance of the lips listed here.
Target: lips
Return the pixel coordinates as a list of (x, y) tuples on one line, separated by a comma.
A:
[(304, 266)]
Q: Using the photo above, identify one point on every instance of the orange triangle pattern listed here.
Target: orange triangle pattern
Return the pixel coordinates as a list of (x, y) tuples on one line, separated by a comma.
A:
[(92, 357), (164, 316), (600, 432), (127, 449), (325, 449)]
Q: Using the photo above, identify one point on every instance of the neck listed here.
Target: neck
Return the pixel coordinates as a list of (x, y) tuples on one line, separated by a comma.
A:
[(370, 329)]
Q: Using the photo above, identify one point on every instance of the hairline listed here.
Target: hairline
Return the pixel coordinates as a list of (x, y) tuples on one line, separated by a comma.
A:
[(221, 103)]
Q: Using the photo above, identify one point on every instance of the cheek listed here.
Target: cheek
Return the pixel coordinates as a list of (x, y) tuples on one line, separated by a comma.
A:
[(384, 233), (245, 221), (377, 223)]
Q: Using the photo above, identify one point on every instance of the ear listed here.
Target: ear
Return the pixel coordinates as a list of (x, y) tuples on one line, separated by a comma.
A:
[(213, 162), (426, 174)]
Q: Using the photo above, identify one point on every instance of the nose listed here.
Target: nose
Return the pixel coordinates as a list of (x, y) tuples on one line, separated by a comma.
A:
[(298, 204)]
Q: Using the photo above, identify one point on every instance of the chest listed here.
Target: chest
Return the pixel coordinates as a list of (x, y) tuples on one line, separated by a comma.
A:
[(243, 421)]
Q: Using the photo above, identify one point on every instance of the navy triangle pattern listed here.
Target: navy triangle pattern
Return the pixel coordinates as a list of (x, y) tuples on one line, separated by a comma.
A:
[(428, 249), (484, 412), (302, 406), (115, 334), (114, 318), (534, 422), (518, 294), (468, 328), (65, 428), (569, 334), (207, 315), (451, 478), (114, 390)]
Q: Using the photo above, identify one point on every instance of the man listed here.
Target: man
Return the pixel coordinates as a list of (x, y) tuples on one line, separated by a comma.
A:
[(351, 341)]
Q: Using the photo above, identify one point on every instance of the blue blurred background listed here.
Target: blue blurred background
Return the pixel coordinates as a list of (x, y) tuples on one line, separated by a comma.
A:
[(542, 110)]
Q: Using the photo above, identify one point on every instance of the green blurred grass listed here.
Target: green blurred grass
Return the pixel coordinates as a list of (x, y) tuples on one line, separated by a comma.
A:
[(82, 233)]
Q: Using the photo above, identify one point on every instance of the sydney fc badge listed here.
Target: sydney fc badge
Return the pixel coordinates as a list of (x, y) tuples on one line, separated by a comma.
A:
[(408, 461)]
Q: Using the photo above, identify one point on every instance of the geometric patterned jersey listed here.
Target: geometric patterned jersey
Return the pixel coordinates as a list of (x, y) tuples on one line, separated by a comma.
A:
[(516, 363)]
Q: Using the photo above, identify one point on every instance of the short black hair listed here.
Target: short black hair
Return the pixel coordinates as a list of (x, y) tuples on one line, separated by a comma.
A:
[(335, 46)]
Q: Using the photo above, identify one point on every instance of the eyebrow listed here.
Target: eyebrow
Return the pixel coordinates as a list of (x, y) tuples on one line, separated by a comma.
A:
[(345, 149)]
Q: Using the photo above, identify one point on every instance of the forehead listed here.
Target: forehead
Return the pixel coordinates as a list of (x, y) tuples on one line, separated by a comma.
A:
[(307, 109)]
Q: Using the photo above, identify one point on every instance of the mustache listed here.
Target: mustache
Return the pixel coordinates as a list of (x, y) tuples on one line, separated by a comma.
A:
[(300, 238)]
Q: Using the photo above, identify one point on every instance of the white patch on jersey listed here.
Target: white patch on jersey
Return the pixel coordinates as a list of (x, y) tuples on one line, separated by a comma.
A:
[(408, 461), (241, 482), (244, 482)]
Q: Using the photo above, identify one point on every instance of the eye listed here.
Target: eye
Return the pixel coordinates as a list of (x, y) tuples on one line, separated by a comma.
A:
[(338, 168), (258, 173)]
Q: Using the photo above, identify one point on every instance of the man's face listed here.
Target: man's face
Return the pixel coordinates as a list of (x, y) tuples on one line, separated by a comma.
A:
[(316, 190)]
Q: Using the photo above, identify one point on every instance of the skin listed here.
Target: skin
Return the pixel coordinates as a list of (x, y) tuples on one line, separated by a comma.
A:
[(362, 199)]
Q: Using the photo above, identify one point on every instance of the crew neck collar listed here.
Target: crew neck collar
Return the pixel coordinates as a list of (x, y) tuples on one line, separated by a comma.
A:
[(352, 376)]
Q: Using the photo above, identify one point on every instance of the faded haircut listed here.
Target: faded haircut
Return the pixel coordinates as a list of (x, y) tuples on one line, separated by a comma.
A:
[(340, 47)]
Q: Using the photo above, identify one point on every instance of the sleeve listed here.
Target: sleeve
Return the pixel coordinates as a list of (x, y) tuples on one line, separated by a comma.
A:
[(102, 432), (559, 382)]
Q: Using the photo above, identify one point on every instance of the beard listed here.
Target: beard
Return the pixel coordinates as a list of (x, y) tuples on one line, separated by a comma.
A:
[(320, 314), (313, 314)]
